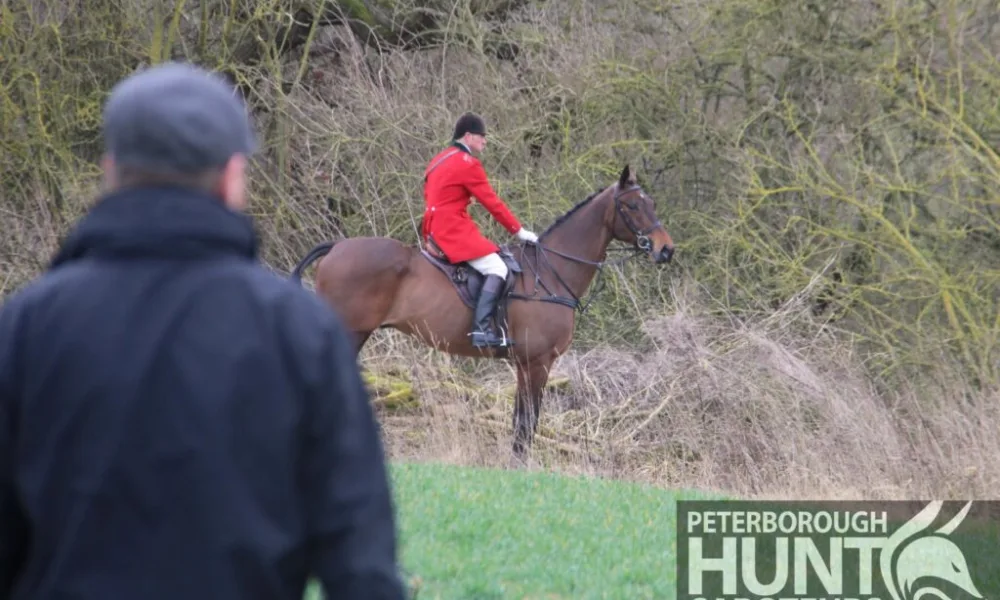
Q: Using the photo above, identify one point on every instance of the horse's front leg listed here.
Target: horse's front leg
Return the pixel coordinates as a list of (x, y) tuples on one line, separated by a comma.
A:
[(531, 379)]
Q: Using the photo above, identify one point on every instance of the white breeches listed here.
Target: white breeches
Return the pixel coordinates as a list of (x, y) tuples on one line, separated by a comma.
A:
[(491, 264)]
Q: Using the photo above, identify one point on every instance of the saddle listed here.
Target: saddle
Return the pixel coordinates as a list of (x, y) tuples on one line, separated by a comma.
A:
[(468, 282)]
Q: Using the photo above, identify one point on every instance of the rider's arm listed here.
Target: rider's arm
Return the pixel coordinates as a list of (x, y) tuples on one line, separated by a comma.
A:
[(479, 186)]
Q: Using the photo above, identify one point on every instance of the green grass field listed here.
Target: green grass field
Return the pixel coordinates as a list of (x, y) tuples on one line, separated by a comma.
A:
[(477, 534)]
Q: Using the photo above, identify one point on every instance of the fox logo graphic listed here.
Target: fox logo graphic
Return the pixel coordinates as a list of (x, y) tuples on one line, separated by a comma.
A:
[(908, 557)]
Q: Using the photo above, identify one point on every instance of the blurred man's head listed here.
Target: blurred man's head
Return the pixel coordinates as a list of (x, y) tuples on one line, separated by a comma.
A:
[(178, 124)]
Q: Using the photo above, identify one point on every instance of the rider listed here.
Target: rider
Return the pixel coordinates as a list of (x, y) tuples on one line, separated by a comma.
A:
[(453, 176)]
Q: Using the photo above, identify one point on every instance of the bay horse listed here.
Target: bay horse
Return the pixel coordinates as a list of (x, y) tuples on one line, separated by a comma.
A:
[(380, 282)]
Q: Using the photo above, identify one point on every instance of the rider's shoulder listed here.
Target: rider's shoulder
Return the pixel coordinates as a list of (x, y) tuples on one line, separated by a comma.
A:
[(466, 160), (469, 159)]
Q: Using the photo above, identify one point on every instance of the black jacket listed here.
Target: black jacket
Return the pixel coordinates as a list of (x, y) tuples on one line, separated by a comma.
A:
[(176, 422)]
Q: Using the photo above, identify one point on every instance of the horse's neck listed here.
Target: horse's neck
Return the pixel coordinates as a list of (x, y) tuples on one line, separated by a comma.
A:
[(584, 235)]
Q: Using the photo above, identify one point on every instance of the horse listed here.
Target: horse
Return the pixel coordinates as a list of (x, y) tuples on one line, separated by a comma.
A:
[(379, 282)]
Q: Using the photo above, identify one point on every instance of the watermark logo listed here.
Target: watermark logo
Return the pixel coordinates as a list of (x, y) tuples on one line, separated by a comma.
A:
[(749, 550)]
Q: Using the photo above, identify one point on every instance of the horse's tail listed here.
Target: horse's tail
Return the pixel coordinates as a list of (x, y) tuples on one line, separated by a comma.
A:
[(318, 251)]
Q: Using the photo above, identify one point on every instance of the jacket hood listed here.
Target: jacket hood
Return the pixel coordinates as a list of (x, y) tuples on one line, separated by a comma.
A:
[(159, 222)]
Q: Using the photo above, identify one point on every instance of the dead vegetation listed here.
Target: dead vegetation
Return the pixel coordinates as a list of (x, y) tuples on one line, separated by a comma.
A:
[(829, 171), (756, 409)]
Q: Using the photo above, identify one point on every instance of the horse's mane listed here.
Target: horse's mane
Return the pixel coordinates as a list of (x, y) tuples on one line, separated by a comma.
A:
[(570, 212)]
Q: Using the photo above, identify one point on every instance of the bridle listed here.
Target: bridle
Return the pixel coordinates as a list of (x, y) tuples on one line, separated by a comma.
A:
[(642, 241), (642, 244)]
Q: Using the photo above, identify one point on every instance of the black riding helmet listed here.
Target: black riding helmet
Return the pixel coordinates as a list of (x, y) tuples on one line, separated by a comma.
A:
[(469, 123)]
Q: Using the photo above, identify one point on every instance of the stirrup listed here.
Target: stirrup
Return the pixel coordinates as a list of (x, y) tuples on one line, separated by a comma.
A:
[(488, 339)]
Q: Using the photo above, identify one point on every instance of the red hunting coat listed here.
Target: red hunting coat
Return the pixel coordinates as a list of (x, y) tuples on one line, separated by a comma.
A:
[(452, 178)]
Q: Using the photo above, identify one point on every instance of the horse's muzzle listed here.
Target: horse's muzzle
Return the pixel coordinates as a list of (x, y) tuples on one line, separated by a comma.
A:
[(664, 255)]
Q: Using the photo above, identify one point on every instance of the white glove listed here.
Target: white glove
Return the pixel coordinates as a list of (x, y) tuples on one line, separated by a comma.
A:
[(527, 236)]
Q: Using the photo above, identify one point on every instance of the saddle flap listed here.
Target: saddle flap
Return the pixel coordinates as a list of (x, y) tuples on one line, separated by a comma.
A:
[(467, 281), (508, 258)]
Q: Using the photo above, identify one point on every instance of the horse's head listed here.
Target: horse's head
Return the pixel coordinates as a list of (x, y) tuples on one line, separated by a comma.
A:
[(635, 221)]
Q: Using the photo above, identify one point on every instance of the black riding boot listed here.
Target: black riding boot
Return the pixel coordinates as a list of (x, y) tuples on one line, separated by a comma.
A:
[(483, 333)]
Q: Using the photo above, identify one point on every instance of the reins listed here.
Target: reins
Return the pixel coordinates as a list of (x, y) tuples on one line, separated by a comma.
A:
[(574, 303), (641, 245)]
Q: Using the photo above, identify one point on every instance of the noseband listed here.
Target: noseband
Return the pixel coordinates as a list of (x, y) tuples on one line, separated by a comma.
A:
[(642, 244)]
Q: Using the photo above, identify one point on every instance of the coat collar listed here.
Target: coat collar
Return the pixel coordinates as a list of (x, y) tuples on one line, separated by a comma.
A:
[(159, 222)]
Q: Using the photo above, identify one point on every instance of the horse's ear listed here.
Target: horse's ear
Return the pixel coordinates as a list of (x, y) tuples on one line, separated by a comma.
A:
[(626, 177)]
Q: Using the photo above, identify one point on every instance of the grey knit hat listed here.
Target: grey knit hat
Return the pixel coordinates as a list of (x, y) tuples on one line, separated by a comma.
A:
[(176, 118)]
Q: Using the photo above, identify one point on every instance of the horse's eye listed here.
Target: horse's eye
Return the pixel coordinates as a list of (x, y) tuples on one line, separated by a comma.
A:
[(632, 205)]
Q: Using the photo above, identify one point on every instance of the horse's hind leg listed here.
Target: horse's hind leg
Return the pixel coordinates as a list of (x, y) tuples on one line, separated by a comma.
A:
[(360, 280), (355, 324), (360, 338)]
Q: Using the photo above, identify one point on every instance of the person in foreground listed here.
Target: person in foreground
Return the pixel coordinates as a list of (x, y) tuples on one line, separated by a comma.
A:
[(451, 179), (175, 420)]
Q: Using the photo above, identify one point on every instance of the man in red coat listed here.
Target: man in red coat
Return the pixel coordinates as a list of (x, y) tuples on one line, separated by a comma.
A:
[(452, 178)]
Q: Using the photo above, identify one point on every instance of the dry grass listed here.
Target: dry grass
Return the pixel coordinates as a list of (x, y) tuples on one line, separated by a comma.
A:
[(760, 409)]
